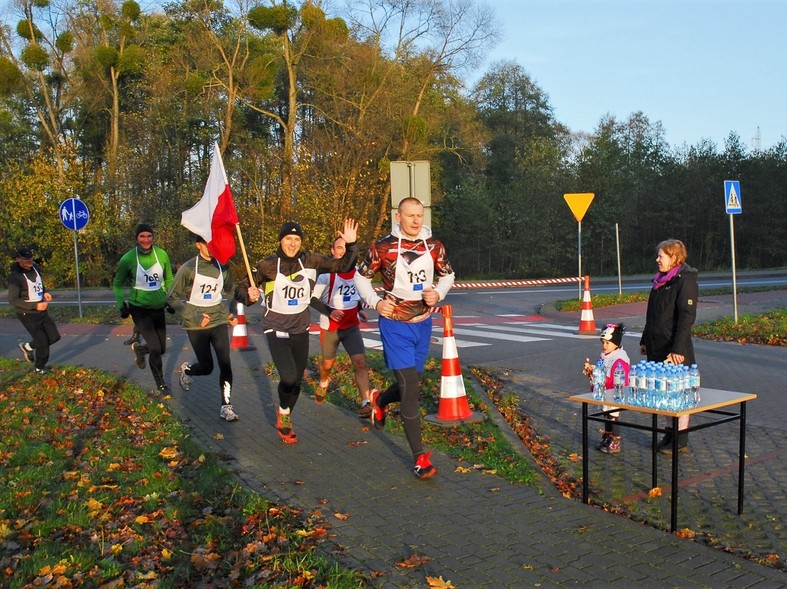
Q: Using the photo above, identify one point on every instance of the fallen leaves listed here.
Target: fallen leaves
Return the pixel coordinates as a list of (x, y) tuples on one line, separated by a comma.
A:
[(438, 583), (168, 453), (413, 561), (127, 492), (654, 492)]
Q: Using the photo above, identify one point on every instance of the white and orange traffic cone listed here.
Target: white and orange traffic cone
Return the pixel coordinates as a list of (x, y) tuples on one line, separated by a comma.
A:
[(453, 408), (240, 336), (587, 324)]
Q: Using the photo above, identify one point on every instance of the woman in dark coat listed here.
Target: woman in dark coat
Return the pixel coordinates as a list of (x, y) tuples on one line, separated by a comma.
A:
[(672, 309)]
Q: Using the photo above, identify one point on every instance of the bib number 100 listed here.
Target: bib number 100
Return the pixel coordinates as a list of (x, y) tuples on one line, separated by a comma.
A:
[(293, 292)]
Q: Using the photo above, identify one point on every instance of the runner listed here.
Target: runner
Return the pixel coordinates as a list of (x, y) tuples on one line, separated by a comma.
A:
[(341, 324), (407, 259), (147, 271), (287, 278), (197, 293)]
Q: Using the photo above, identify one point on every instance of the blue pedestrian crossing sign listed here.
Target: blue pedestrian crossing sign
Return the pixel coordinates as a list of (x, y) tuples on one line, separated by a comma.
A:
[(74, 214), (732, 197)]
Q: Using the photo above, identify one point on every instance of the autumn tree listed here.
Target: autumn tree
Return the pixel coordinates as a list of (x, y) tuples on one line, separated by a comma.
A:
[(34, 63)]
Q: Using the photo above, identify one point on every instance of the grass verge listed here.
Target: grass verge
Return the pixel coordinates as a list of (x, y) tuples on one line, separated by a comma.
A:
[(101, 487), (480, 446), (766, 328)]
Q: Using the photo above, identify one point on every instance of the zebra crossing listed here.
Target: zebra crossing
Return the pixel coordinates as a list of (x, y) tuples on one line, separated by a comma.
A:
[(476, 331)]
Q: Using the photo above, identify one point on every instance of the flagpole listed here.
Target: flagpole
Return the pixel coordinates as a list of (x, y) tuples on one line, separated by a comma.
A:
[(245, 257)]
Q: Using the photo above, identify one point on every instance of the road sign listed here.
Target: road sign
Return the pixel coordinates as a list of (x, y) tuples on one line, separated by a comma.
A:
[(732, 197), (74, 214), (411, 178), (579, 202)]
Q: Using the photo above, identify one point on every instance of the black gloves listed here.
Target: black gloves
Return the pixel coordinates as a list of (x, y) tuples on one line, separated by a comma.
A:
[(124, 311), (169, 309)]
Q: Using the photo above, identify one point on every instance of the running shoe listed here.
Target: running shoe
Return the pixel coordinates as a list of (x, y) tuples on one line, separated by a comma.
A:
[(28, 353), (424, 468), (606, 438), (185, 380), (320, 394), (133, 339), (139, 353), (378, 413), (44, 370), (284, 427), (365, 412), (164, 389), (613, 446), (227, 414)]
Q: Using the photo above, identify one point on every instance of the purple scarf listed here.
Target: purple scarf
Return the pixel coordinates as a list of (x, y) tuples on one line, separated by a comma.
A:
[(662, 278)]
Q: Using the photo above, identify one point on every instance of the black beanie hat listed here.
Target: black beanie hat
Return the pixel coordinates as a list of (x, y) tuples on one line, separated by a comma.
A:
[(143, 228), (613, 332), (290, 228), (24, 252)]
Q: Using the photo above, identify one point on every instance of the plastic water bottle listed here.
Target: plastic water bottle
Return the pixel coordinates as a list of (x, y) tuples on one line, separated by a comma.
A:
[(675, 392), (619, 380), (694, 381), (598, 380), (633, 384), (685, 386), (651, 386), (642, 384), (661, 387)]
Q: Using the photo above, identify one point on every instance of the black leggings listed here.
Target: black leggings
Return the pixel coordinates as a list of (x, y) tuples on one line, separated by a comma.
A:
[(153, 327), (290, 355), (44, 332), (201, 341), (406, 390)]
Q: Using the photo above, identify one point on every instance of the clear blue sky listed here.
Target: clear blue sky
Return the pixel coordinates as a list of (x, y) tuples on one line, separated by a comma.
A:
[(701, 67)]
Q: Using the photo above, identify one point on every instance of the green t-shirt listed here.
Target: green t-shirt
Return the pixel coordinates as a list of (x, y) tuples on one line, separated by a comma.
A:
[(126, 278)]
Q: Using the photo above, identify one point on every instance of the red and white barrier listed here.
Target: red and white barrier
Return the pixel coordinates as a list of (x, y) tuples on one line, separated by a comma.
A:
[(508, 283)]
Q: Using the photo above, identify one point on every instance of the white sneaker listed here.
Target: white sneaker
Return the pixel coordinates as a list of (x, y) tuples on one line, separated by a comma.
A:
[(27, 352), (185, 380), (227, 414)]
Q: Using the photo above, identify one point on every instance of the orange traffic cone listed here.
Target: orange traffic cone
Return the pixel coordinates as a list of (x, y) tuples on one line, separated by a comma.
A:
[(240, 337), (453, 408), (587, 325)]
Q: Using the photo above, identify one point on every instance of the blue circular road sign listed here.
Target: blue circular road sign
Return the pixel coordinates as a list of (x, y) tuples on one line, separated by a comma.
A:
[(74, 214)]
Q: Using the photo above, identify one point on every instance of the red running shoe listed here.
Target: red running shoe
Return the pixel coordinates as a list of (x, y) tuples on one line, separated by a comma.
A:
[(284, 427), (378, 413), (424, 468)]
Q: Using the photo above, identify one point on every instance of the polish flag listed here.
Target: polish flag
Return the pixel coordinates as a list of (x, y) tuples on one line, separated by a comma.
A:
[(214, 217)]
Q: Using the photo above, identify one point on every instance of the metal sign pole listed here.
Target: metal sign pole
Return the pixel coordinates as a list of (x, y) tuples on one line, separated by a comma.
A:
[(579, 251), (79, 217), (76, 258), (733, 206), (579, 202), (734, 284), (76, 255), (620, 277)]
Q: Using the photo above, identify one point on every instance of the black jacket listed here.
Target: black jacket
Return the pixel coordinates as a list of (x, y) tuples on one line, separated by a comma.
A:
[(17, 288), (671, 312)]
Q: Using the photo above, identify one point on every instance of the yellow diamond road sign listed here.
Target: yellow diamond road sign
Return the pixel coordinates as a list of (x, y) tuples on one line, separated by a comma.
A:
[(579, 202)]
